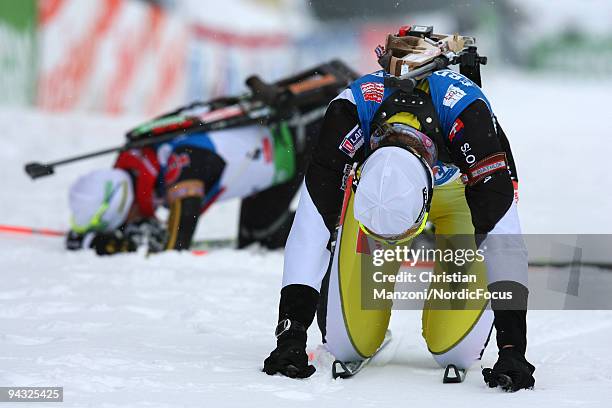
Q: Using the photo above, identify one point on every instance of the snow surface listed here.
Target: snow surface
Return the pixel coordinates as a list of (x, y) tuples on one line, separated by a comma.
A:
[(181, 330)]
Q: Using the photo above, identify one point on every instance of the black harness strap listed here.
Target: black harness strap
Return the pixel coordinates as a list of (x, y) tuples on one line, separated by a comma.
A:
[(418, 103)]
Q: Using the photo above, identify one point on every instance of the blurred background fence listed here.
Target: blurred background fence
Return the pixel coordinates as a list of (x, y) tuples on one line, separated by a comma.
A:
[(135, 56)]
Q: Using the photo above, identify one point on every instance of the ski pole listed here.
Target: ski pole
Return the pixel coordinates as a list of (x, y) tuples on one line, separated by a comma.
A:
[(36, 170), (205, 245), (15, 229), (197, 245)]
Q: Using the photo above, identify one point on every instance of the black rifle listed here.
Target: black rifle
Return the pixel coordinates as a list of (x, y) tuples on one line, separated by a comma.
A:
[(263, 105), (469, 65)]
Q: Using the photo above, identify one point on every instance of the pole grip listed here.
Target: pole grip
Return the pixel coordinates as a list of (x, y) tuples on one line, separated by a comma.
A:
[(36, 170)]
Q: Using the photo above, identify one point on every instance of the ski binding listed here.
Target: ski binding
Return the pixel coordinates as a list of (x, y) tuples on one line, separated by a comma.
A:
[(347, 369), (453, 375)]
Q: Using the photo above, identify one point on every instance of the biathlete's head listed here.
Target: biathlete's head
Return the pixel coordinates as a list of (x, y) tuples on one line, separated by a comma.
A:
[(101, 200), (395, 183)]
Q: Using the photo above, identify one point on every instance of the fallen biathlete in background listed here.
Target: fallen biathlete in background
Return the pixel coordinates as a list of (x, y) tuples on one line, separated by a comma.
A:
[(407, 144), (254, 147)]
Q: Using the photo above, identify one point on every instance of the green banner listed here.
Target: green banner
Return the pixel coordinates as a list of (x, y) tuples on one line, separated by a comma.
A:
[(18, 22), (573, 53)]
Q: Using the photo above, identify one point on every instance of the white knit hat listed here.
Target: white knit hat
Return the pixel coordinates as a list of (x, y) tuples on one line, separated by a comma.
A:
[(389, 196), (91, 193)]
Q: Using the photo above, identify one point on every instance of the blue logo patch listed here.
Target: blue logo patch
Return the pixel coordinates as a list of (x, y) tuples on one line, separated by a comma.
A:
[(352, 141), (443, 174)]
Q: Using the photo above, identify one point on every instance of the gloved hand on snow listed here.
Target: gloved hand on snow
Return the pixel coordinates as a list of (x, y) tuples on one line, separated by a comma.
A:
[(512, 371), (289, 358), (111, 243)]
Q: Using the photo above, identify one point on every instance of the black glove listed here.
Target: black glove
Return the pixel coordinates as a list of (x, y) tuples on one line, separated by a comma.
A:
[(75, 241), (289, 358), (149, 232), (296, 312), (512, 371), (110, 243)]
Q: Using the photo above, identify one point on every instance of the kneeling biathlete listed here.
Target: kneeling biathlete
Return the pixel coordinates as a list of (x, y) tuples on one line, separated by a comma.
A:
[(114, 210), (389, 159)]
